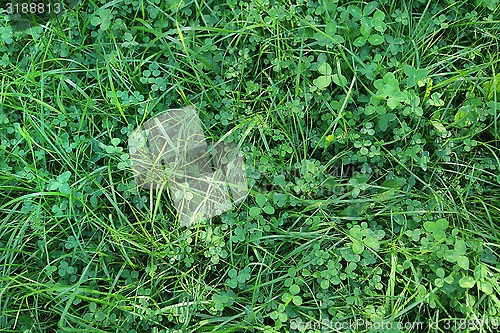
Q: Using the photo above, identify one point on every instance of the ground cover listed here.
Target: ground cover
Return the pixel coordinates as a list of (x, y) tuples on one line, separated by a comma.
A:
[(370, 136)]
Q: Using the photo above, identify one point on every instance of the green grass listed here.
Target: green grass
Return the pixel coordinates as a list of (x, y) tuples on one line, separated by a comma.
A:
[(403, 97)]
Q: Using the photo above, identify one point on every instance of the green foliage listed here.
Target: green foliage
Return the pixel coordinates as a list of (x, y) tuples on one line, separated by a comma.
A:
[(102, 19), (60, 183), (370, 136)]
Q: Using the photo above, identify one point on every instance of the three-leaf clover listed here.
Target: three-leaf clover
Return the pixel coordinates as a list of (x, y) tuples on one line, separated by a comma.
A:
[(114, 147), (102, 19), (327, 76), (261, 201), (221, 301), (367, 24), (129, 40), (385, 119), (324, 80), (388, 88), (436, 100), (94, 313), (235, 278), (61, 183), (465, 116), (415, 76), (72, 242), (66, 269), (6, 34), (329, 36), (458, 254), (437, 229)]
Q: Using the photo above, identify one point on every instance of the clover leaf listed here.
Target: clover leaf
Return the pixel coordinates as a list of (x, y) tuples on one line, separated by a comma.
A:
[(322, 82), (220, 301), (254, 211), (329, 36), (6, 34), (60, 183), (415, 76), (465, 116), (385, 119), (236, 277), (376, 39), (72, 242), (378, 21), (458, 254), (436, 100), (113, 148), (102, 19), (66, 269), (261, 200), (437, 229), (466, 282), (325, 69), (331, 28), (388, 88)]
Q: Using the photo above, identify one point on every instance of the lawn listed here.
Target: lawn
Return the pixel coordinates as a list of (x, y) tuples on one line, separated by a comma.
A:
[(369, 138)]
